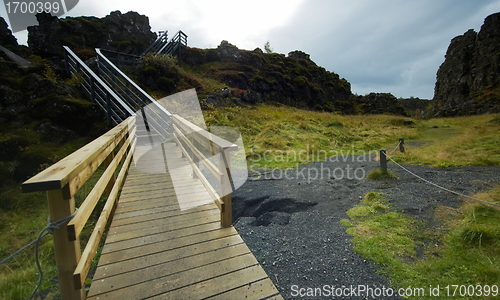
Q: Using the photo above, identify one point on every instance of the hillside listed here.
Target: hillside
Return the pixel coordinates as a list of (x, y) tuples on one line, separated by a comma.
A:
[(468, 81)]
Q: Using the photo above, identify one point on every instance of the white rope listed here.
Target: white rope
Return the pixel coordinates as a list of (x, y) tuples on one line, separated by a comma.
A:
[(51, 226), (395, 148), (440, 187)]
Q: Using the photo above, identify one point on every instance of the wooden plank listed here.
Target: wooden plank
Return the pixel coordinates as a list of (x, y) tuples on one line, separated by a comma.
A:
[(126, 215), (108, 268), (211, 213), (217, 284), (161, 285), (59, 174), (115, 237), (163, 246), (134, 277), (159, 215), (261, 289), (163, 236)]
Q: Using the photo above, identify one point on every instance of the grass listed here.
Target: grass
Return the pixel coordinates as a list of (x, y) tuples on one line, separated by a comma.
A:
[(380, 174), (460, 141), (21, 224), (464, 249), (274, 134)]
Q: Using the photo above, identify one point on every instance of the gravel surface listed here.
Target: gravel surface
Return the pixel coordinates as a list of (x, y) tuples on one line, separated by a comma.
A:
[(291, 221)]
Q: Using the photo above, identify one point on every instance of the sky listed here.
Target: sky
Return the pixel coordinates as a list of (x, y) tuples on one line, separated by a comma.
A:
[(386, 46)]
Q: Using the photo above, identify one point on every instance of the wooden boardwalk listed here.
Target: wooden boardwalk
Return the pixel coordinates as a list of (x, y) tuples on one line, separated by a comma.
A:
[(166, 240)]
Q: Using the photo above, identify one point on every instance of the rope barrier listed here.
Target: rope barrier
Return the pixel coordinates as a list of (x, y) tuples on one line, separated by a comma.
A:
[(395, 148), (438, 186), (51, 226)]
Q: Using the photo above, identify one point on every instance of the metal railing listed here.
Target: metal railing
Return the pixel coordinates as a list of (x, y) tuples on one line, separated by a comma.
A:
[(121, 60), (158, 44), (97, 90), (154, 116)]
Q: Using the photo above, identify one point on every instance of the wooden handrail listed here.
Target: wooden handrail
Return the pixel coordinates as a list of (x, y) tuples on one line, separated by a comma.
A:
[(183, 131), (62, 180)]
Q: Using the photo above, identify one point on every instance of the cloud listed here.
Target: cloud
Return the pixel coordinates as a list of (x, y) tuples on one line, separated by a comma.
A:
[(381, 46)]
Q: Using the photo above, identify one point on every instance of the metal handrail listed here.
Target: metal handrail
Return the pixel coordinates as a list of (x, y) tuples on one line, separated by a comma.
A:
[(163, 38), (155, 114), (96, 89)]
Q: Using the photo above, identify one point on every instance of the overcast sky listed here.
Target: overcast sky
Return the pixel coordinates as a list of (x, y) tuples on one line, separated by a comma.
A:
[(377, 45)]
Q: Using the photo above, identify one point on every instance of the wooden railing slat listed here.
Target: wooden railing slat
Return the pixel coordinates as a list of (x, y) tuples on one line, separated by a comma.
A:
[(76, 224), (83, 266), (211, 191), (204, 160), (218, 143), (61, 173)]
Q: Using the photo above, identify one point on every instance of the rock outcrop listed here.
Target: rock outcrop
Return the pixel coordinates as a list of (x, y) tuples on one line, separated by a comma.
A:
[(6, 38), (43, 116), (468, 81), (271, 77), (379, 103), (128, 33)]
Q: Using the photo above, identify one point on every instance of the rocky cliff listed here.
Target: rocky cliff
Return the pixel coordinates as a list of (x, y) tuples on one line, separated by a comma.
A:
[(43, 115), (129, 33), (468, 81), (271, 77)]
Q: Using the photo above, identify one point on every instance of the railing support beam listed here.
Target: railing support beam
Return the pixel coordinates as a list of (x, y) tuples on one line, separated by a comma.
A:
[(67, 252)]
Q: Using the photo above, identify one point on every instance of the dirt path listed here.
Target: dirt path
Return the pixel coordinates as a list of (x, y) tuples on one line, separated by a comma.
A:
[(291, 221)]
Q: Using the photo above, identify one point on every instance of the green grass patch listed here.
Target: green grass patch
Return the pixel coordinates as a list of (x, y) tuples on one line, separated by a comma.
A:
[(276, 136), (22, 218), (463, 250), (459, 141), (380, 174)]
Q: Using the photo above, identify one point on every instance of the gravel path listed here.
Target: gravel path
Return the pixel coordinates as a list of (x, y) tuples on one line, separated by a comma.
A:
[(291, 221)]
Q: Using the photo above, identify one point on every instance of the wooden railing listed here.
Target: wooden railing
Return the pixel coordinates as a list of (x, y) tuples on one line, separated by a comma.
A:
[(191, 138), (61, 182)]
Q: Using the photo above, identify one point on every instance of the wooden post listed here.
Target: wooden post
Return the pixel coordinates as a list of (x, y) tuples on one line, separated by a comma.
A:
[(401, 145), (383, 160), (196, 160), (67, 253), (226, 216), (112, 181)]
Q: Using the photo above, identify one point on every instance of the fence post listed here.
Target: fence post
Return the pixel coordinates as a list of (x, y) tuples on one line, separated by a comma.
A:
[(196, 160), (401, 145), (383, 160), (226, 216), (67, 252)]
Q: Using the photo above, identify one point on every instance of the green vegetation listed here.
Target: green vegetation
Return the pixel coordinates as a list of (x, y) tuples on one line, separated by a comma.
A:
[(279, 131), (459, 141), (380, 174), (463, 249), (22, 221)]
